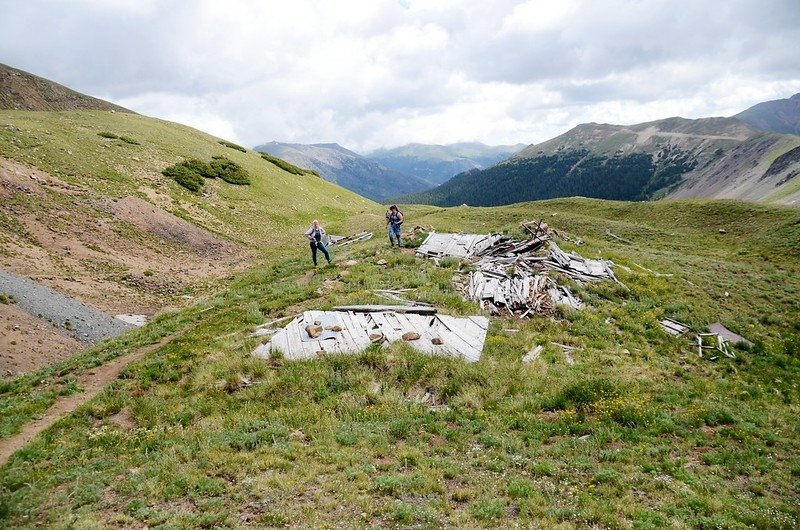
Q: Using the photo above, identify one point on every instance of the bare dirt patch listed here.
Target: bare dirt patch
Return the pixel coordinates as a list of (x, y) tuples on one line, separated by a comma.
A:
[(164, 225), (19, 178), (120, 256), (27, 343), (123, 419)]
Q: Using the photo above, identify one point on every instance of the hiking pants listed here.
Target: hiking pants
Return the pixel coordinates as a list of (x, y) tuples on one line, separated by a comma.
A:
[(394, 231), (318, 245)]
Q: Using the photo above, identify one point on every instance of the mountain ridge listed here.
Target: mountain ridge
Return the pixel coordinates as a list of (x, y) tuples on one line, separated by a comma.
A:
[(779, 115), (720, 157), (20, 90), (347, 168), (440, 162)]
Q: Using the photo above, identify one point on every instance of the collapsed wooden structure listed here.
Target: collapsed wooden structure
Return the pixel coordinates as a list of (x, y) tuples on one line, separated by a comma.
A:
[(352, 329), (510, 275)]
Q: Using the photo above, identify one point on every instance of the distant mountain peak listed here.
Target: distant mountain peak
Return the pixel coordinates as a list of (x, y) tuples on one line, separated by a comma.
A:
[(438, 163), (347, 168), (779, 115)]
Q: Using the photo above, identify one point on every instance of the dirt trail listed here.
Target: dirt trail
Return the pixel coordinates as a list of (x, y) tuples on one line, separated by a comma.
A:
[(92, 383)]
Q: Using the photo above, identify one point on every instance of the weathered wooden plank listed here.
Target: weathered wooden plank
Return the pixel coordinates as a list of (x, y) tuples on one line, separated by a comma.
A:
[(418, 324), (356, 330), (458, 337), (423, 310), (386, 327)]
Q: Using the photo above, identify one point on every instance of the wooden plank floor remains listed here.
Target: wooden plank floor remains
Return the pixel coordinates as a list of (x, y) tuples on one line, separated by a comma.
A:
[(461, 337)]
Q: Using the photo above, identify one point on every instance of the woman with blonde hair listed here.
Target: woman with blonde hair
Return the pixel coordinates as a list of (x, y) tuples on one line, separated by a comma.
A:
[(316, 235)]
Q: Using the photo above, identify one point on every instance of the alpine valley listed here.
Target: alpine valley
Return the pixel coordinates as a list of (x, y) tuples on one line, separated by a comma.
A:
[(571, 418), (749, 157)]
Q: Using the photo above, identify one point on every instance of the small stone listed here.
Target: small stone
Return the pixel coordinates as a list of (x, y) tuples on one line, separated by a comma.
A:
[(334, 328), (349, 263), (411, 335), (314, 331), (376, 337), (437, 340), (380, 262), (723, 231), (298, 435)]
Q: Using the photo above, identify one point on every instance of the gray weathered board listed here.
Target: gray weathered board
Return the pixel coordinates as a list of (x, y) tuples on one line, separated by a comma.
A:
[(455, 245), (461, 337)]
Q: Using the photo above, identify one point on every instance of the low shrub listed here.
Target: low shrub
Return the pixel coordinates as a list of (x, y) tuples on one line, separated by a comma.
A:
[(109, 135), (232, 145), (185, 177), (286, 166), (201, 168), (7, 299), (190, 173), (230, 171), (129, 140)]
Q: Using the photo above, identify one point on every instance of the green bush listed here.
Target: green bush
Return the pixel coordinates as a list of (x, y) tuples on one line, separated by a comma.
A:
[(129, 140), (233, 146), (230, 171), (7, 299), (190, 173), (185, 177), (286, 166), (201, 168), (110, 135)]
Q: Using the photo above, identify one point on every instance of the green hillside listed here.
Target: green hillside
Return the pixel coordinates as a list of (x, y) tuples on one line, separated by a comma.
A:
[(85, 207), (69, 146), (638, 433)]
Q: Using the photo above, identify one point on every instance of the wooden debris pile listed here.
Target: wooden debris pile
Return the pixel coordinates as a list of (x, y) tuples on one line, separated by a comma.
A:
[(717, 343), (578, 267), (673, 327), (511, 276), (465, 246), (718, 339)]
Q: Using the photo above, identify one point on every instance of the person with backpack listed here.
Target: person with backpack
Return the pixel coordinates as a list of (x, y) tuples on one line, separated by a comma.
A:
[(316, 237), (394, 219)]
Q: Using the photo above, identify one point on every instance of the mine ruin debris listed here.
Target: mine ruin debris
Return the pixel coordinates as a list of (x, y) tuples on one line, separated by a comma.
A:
[(511, 276)]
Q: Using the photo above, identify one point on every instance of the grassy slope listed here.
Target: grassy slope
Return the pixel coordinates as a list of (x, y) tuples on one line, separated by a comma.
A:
[(639, 433), (266, 214)]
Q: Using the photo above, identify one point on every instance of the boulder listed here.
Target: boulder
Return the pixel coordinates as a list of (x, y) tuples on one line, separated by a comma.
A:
[(411, 335), (437, 340), (314, 330)]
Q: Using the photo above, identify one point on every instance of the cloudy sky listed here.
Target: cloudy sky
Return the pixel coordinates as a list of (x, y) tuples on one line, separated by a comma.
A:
[(375, 73)]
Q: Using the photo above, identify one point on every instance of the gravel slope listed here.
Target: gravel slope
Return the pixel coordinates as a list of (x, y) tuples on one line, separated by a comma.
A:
[(73, 318)]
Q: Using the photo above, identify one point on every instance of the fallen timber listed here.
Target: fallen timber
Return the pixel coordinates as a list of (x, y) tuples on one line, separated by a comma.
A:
[(510, 275), (346, 240)]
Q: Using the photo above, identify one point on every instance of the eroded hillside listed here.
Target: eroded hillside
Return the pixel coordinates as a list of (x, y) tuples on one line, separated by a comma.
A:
[(91, 215)]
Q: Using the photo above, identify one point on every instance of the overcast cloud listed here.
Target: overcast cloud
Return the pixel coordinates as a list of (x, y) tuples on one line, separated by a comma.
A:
[(375, 73)]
